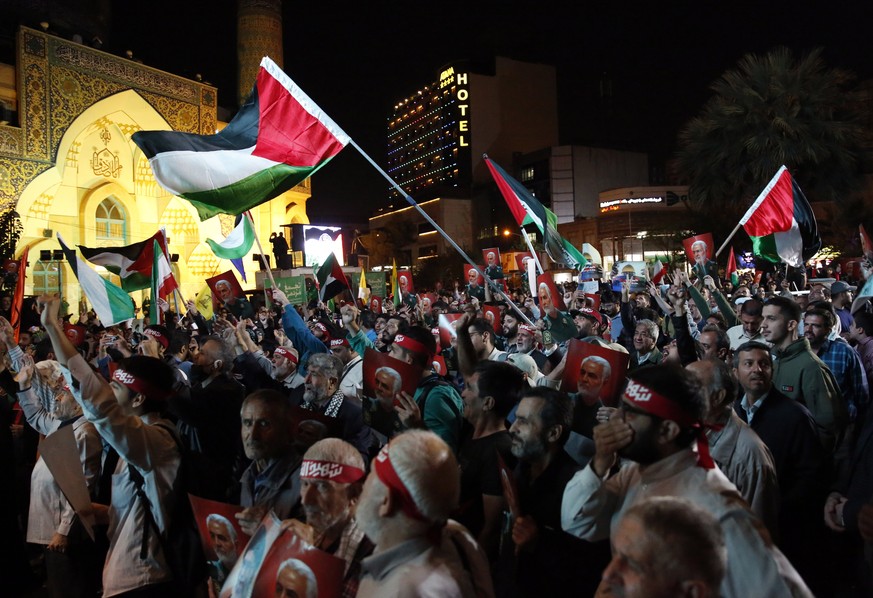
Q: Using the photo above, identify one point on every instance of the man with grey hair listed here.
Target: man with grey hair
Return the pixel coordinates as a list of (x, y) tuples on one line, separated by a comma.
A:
[(734, 446), (223, 537), (295, 579), (323, 395), (666, 547), (332, 476), (238, 306), (644, 351), (412, 489)]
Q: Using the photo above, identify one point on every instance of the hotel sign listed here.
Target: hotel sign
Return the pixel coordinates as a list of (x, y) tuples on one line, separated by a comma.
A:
[(462, 94)]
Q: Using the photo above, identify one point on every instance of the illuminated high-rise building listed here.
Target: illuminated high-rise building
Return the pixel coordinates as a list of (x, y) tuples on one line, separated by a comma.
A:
[(437, 135)]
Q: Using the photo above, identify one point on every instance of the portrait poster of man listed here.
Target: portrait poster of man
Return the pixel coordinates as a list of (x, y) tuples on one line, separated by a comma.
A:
[(375, 304), (699, 250), (547, 293), (594, 370), (521, 260), (294, 568), (309, 424), (427, 300), (385, 376), (240, 583), (404, 281), (493, 267), (225, 288), (592, 300), (439, 365), (470, 274), (221, 535), (448, 332), (492, 314)]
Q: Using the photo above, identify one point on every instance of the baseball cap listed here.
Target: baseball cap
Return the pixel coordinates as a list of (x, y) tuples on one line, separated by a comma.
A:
[(841, 287), (526, 364), (741, 300)]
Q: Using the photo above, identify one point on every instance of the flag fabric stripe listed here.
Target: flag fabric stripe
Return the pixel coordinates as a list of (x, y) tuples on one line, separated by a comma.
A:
[(732, 268), (395, 284), (238, 243), (111, 303), (781, 223), (331, 279), (18, 294), (277, 139), (658, 271)]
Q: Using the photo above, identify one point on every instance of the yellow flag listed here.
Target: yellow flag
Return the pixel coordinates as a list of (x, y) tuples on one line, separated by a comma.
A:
[(204, 302), (363, 291), (395, 287)]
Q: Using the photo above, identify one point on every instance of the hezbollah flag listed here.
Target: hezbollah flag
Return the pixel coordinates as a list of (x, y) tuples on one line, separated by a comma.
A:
[(203, 302), (111, 303), (277, 139), (331, 279), (781, 223), (526, 208), (395, 284), (132, 263)]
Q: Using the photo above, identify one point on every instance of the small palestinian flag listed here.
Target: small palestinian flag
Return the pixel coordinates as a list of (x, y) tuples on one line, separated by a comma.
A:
[(331, 279)]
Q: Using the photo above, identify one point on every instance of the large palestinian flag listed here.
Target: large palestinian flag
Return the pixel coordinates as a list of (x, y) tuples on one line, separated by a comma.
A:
[(277, 139), (132, 263), (781, 223)]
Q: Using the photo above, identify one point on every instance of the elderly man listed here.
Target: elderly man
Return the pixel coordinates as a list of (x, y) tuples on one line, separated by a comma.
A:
[(595, 373), (660, 417), (222, 536), (332, 477), (549, 561), (666, 547), (702, 264), (285, 370), (238, 306), (295, 579), (644, 351), (411, 490), (799, 374), (322, 395), (734, 446), (526, 343)]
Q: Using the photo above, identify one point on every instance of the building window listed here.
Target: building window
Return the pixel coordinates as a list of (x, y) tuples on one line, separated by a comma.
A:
[(45, 278), (527, 173), (110, 220)]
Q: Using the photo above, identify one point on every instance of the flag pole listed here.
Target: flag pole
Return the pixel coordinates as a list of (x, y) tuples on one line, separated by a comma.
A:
[(248, 215), (728, 240), (437, 227), (532, 252)]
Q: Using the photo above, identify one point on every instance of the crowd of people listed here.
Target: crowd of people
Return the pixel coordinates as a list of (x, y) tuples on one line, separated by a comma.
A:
[(733, 457)]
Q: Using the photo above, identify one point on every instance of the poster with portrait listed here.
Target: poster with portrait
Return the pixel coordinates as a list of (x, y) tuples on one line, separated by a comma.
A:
[(446, 322), (241, 580), (699, 250), (385, 376), (293, 567), (312, 425), (439, 365), (592, 300), (404, 282), (224, 286), (376, 304), (548, 294), (492, 314), (220, 533), (594, 371), (426, 301), (470, 274), (521, 260), (493, 265)]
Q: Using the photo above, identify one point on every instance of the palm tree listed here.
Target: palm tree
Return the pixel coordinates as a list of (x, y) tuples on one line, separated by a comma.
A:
[(768, 111)]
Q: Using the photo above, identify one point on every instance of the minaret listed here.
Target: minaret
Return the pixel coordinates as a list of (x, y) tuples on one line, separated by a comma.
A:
[(259, 34)]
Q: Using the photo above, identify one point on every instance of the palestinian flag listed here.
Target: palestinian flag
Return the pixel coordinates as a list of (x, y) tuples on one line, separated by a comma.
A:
[(732, 268), (132, 263), (111, 303), (163, 282), (781, 223), (238, 243), (331, 279), (277, 139), (526, 208)]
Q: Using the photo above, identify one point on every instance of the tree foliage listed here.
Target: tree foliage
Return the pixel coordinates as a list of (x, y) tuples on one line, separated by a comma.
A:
[(768, 111)]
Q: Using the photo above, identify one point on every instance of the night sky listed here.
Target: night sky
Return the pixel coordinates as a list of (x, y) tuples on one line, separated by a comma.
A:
[(356, 60)]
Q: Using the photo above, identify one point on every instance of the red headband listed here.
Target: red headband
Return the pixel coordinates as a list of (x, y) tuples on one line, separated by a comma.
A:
[(138, 384), (658, 405), (162, 340), (410, 344), (328, 470), (283, 352), (528, 328), (388, 476), (339, 342)]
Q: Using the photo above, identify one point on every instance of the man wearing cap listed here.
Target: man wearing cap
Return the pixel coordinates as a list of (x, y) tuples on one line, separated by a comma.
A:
[(751, 319), (587, 320), (412, 489), (352, 376), (331, 479), (659, 420), (841, 299)]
